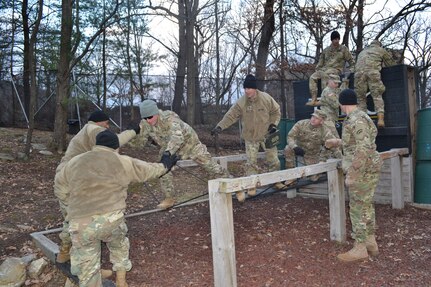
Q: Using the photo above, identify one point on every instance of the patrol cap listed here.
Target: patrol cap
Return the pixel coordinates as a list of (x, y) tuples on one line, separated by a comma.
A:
[(319, 114), (108, 138), (348, 97), (335, 78), (148, 108)]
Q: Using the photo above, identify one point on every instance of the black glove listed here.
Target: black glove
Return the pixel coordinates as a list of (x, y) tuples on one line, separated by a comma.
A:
[(272, 128), (216, 131), (169, 160), (299, 151), (135, 127)]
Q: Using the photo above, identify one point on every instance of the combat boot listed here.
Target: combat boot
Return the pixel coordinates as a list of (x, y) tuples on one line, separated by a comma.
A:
[(166, 203), (371, 245), (105, 273), (358, 252), (121, 279), (240, 195), (251, 191), (289, 182), (314, 103), (64, 255), (380, 120), (279, 186)]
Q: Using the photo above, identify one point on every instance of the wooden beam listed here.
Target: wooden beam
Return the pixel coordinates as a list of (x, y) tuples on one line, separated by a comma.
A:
[(396, 183), (230, 185), (337, 208), (396, 152), (222, 236)]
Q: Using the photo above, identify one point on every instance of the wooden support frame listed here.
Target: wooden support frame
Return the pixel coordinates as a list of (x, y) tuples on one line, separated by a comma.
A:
[(220, 201)]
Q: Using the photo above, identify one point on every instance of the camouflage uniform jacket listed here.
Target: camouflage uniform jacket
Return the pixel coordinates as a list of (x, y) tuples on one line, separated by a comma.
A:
[(256, 116), (310, 138), (97, 180), (335, 58), (86, 139), (170, 133), (329, 103), (372, 58), (359, 142)]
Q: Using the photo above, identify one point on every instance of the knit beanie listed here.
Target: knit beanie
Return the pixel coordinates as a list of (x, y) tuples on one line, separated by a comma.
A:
[(347, 97), (108, 139), (148, 108), (335, 35), (250, 82), (98, 116)]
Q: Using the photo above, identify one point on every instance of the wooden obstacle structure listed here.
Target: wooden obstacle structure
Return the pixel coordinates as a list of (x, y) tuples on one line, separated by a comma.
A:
[(221, 212)]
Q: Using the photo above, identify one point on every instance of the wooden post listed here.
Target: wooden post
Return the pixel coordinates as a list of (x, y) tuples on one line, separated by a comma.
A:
[(223, 163), (222, 236), (396, 183), (337, 205)]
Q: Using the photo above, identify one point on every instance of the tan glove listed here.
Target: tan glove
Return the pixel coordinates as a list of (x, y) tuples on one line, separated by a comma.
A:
[(332, 143)]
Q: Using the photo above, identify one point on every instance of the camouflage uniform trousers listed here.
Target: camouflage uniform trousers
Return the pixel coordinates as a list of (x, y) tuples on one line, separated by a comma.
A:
[(361, 201), (61, 193), (271, 157), (310, 157), (87, 235), (372, 80), (323, 76), (335, 152), (198, 153)]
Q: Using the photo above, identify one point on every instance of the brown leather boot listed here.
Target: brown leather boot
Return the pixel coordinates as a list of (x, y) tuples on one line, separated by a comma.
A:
[(121, 279), (358, 252), (371, 245), (380, 120), (105, 273), (166, 203), (240, 195), (64, 255)]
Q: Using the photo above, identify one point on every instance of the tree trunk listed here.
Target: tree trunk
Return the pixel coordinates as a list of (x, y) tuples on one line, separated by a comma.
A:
[(282, 63), (268, 29), (360, 28), (182, 60), (63, 78), (26, 63)]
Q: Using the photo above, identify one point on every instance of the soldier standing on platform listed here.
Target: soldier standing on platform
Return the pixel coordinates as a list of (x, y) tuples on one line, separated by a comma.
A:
[(362, 165), (331, 61), (174, 136), (367, 76)]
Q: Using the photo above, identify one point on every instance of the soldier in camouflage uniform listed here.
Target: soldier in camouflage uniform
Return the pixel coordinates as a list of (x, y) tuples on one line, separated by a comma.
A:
[(362, 165), (259, 114), (331, 61), (98, 182), (81, 143), (367, 76), (174, 136), (307, 139)]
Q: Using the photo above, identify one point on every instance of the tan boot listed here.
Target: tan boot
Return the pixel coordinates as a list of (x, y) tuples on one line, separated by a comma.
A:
[(121, 279), (314, 177), (64, 255), (279, 186), (251, 192), (105, 273), (314, 102), (166, 203), (358, 252), (371, 245), (240, 195), (289, 182), (380, 120)]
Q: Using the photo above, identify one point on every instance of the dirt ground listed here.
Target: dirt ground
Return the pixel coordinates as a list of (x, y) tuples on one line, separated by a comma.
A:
[(278, 241)]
